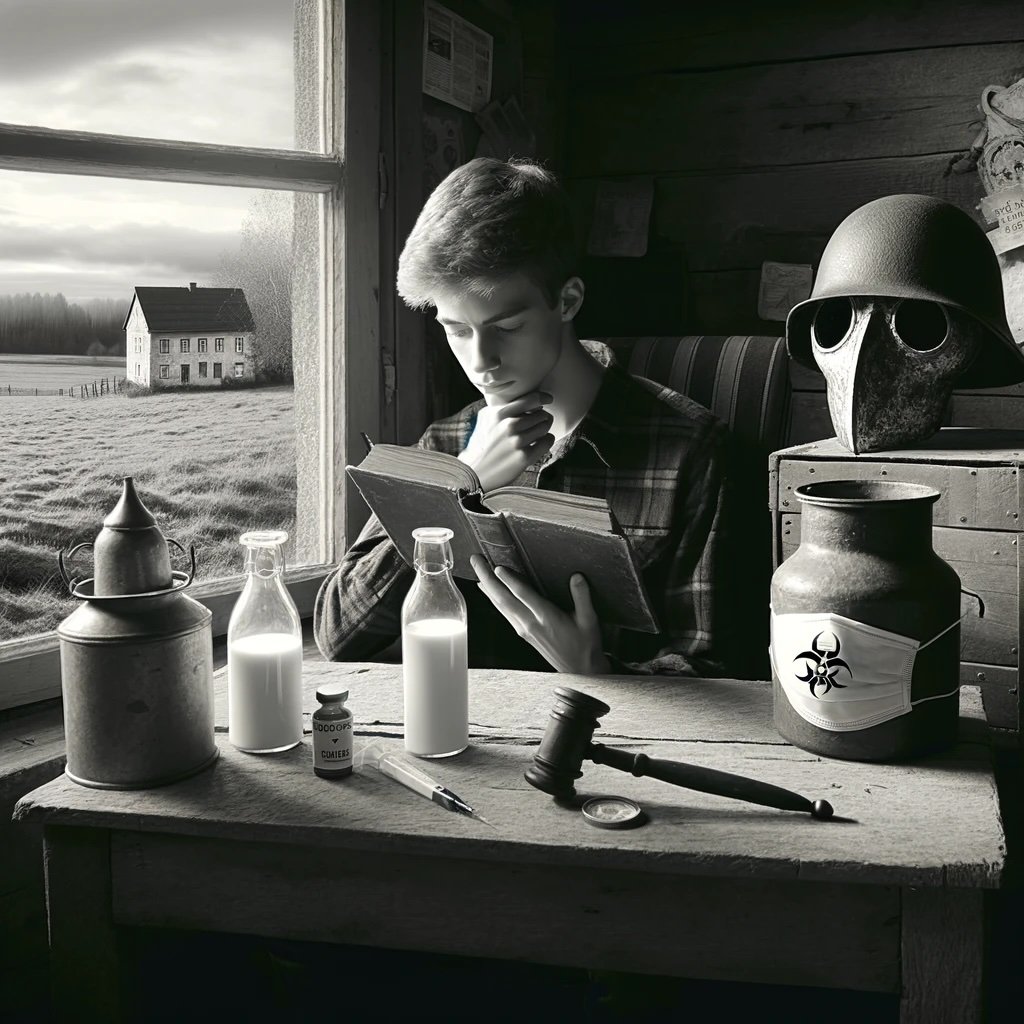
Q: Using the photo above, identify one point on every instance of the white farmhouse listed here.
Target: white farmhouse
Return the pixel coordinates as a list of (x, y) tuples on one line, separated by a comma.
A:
[(189, 336)]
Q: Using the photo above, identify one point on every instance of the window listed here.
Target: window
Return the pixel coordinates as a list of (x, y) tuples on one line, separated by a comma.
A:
[(201, 345), (218, 344), (184, 373), (202, 369), (239, 346), (239, 369), (185, 344), (68, 153), (216, 369)]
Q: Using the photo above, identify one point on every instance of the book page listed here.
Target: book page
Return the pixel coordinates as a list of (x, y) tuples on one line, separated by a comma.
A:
[(555, 506), (407, 462)]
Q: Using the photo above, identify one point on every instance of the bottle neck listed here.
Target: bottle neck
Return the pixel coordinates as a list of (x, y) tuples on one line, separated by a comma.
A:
[(264, 563), (433, 559)]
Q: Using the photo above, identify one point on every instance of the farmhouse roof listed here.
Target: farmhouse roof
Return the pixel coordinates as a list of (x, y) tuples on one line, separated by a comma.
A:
[(193, 309)]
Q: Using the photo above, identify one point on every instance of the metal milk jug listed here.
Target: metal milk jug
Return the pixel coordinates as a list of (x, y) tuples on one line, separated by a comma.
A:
[(136, 660), (866, 559)]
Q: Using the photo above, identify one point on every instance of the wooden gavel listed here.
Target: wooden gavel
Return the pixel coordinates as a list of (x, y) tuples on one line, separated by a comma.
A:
[(567, 742)]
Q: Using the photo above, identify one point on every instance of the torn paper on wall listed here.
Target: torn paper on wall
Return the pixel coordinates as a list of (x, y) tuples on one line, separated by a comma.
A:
[(457, 59)]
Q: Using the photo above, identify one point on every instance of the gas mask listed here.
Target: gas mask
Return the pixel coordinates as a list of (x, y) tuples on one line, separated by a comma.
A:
[(890, 366), (907, 304)]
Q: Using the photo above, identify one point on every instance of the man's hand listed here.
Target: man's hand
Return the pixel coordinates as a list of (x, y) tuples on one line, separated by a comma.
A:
[(508, 438), (570, 641)]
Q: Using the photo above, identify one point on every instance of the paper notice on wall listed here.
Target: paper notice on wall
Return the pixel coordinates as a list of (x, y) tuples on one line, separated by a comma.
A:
[(1005, 209), (783, 285), (457, 59), (622, 217)]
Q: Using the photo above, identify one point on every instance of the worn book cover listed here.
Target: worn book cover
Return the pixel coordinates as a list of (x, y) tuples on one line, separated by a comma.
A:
[(545, 536)]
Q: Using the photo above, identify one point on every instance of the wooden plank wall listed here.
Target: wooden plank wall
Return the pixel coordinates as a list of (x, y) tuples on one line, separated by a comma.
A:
[(764, 125)]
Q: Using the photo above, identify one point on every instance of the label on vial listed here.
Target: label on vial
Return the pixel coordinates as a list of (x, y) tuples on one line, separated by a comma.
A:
[(332, 746)]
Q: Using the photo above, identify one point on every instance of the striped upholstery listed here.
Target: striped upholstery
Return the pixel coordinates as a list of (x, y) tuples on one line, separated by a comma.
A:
[(742, 379)]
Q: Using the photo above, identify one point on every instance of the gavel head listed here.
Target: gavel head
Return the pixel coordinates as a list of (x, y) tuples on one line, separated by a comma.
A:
[(559, 759)]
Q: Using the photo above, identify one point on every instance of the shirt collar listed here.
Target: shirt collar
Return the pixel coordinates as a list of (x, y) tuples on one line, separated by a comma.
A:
[(600, 427)]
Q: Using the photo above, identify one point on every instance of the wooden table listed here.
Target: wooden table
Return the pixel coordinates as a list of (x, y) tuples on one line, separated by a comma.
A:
[(710, 887)]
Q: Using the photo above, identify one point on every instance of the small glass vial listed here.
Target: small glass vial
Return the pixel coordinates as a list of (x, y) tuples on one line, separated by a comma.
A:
[(332, 733), (264, 653), (434, 654)]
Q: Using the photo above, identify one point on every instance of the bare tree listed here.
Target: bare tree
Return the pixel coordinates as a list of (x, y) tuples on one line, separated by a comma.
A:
[(261, 266)]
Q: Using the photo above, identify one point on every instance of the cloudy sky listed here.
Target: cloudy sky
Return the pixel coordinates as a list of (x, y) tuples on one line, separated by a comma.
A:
[(200, 70)]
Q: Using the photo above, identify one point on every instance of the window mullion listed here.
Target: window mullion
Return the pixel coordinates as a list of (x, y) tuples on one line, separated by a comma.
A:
[(55, 151)]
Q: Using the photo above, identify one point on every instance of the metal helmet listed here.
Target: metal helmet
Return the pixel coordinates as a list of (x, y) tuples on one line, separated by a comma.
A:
[(916, 247)]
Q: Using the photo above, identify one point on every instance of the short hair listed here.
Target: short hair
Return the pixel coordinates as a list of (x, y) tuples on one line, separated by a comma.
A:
[(487, 220)]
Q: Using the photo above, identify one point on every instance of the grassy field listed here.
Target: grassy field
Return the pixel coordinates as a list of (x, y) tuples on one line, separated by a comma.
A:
[(25, 371), (208, 465)]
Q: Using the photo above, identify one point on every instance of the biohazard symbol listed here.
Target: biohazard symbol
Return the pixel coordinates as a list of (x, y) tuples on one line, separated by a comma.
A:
[(823, 665)]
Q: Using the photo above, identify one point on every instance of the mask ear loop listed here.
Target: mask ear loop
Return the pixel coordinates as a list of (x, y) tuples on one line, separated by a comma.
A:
[(977, 597), (957, 620)]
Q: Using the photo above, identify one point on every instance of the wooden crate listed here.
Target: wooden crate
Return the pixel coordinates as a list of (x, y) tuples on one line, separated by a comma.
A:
[(977, 524)]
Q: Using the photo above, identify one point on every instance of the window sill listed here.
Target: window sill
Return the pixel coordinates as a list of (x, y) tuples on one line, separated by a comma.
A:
[(30, 668)]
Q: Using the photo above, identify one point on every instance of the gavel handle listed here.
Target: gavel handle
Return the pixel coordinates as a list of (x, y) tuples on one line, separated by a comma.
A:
[(707, 780)]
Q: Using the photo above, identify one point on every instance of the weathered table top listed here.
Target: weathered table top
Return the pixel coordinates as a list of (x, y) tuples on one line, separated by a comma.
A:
[(933, 822)]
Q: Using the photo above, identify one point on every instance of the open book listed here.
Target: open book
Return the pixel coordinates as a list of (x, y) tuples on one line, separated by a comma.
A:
[(545, 536)]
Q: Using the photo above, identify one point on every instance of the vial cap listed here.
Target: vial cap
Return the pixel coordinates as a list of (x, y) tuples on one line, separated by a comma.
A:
[(328, 693)]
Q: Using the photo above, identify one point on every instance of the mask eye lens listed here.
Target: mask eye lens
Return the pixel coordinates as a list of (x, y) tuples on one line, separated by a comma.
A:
[(831, 323), (921, 326)]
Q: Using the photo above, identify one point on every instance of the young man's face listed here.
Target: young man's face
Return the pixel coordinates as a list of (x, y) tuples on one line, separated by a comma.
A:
[(508, 342)]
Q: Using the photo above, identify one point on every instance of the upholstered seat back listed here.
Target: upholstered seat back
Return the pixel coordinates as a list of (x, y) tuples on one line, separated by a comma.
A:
[(744, 380)]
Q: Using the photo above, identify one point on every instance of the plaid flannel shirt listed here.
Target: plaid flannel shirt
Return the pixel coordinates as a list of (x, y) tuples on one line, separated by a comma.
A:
[(657, 457)]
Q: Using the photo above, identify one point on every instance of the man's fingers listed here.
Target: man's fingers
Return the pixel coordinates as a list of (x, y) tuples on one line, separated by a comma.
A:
[(522, 591), (586, 617), (530, 421), (499, 595), (528, 437), (530, 402)]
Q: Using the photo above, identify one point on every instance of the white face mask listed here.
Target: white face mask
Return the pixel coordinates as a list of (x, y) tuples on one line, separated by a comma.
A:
[(842, 675)]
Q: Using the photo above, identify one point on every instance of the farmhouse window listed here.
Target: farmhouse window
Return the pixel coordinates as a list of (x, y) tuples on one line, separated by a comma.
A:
[(239, 346), (202, 369), (201, 345), (336, 210), (186, 344), (239, 369)]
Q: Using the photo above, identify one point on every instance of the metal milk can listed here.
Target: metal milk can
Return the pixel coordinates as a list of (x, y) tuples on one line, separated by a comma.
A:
[(866, 626), (136, 660)]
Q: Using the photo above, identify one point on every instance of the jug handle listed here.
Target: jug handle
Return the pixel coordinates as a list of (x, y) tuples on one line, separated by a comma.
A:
[(71, 581), (191, 574)]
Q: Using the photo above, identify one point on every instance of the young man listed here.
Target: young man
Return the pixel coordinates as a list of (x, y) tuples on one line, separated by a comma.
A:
[(493, 252)]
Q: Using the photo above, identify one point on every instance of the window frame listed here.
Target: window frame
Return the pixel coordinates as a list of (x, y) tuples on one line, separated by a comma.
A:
[(345, 175)]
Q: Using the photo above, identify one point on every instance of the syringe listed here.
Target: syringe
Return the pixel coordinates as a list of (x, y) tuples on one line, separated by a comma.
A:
[(412, 777)]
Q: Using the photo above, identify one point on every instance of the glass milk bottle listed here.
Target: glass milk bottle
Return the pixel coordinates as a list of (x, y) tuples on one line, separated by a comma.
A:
[(264, 653), (434, 657)]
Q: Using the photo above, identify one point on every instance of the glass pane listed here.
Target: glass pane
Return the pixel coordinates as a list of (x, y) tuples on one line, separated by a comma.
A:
[(145, 331), (222, 71)]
